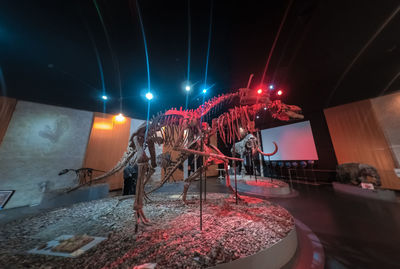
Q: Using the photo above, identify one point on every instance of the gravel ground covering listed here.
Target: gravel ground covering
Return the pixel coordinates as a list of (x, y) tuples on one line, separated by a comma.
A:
[(173, 240)]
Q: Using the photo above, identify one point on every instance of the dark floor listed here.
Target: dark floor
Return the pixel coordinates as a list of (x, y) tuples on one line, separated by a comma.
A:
[(355, 232)]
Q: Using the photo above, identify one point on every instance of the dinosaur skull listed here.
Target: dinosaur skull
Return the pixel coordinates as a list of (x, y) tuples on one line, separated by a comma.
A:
[(285, 112)]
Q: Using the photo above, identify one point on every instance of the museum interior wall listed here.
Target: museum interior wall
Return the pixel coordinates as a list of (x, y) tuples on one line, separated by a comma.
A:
[(40, 141), (357, 137)]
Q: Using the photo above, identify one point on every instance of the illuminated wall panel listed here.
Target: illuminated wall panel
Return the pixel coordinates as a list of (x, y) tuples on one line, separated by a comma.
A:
[(295, 142)]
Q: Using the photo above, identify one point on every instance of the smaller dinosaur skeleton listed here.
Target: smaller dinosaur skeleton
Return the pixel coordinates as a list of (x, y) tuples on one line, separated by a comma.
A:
[(83, 175)]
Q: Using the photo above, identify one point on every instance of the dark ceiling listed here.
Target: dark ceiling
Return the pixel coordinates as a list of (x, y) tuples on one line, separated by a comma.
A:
[(48, 51)]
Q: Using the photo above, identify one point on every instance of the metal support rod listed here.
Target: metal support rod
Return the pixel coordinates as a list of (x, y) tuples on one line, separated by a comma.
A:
[(205, 184), (290, 179), (234, 168), (201, 191), (254, 169), (269, 167), (261, 158)]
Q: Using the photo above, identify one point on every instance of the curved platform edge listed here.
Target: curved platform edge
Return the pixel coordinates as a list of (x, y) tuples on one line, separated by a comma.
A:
[(310, 251), (275, 256), (378, 194), (256, 188)]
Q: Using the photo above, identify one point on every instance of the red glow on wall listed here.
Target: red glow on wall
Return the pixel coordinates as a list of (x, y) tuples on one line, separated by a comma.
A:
[(295, 142)]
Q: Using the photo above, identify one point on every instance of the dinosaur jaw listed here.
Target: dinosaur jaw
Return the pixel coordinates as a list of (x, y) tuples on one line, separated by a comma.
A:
[(295, 115)]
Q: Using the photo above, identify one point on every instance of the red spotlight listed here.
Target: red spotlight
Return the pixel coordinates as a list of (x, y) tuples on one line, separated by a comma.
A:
[(259, 91), (280, 92)]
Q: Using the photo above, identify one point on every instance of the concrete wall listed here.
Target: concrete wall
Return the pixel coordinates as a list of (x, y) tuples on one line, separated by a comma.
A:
[(40, 141), (387, 110)]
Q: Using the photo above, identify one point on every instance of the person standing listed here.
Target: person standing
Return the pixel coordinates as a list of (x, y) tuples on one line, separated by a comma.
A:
[(130, 178)]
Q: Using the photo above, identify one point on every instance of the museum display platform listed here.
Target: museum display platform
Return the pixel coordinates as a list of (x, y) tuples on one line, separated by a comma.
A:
[(378, 194), (252, 233), (263, 186)]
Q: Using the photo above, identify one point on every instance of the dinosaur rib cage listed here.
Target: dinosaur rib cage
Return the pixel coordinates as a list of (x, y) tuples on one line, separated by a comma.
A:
[(171, 130)]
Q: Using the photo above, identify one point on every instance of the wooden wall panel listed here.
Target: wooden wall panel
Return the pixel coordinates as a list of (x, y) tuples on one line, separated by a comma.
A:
[(7, 107), (357, 137), (212, 170), (108, 141)]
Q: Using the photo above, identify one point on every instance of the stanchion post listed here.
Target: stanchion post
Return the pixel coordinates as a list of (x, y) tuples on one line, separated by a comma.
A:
[(205, 184), (201, 190), (254, 169), (234, 168), (270, 168)]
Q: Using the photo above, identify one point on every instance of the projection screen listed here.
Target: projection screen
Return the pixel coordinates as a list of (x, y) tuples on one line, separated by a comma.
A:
[(295, 142)]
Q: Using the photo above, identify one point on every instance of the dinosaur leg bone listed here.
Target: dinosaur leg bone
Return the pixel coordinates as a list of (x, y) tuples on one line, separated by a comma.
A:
[(181, 160), (138, 203), (191, 178)]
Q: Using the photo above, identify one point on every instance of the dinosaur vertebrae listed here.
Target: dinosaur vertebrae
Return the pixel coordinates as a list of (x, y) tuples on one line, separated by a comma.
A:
[(178, 128), (231, 125)]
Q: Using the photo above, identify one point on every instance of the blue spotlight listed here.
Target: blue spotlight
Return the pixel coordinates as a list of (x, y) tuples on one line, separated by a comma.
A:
[(149, 96), (204, 90), (187, 88), (104, 97), (271, 86)]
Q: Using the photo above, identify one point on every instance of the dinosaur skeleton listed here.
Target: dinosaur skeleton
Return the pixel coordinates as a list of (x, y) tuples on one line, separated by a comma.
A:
[(187, 131)]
